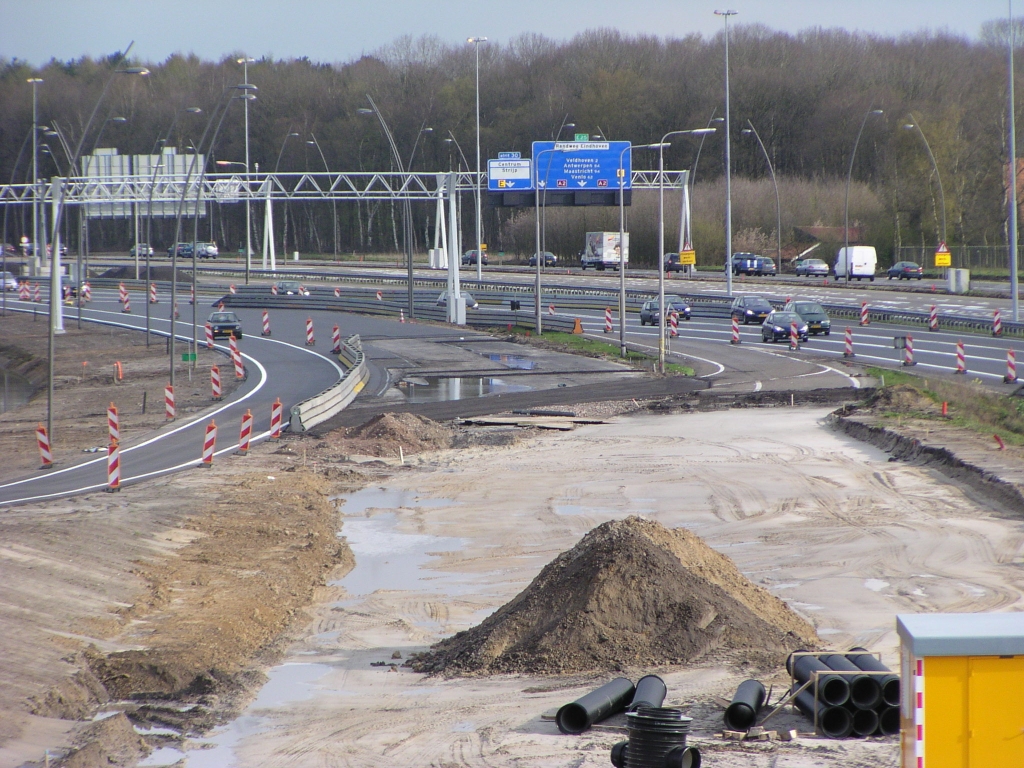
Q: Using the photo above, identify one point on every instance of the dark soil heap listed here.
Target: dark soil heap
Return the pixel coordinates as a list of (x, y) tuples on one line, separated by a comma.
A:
[(631, 593), (385, 433)]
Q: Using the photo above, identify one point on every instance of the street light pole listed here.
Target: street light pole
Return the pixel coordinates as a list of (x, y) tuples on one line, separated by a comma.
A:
[(846, 204), (479, 232), (1014, 297), (728, 174), (35, 81), (334, 203), (245, 61), (942, 195), (775, 183)]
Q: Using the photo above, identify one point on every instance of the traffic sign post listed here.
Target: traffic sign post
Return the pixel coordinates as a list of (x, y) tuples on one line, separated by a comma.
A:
[(943, 258)]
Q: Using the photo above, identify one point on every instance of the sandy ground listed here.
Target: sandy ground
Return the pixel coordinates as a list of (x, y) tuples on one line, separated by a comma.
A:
[(846, 536)]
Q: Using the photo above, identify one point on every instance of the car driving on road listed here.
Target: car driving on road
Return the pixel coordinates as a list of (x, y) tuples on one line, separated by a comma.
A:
[(750, 309), (550, 260), (471, 303), (778, 325), (469, 257), (142, 249), (10, 282), (184, 251), (225, 324), (812, 313), (905, 270), (811, 268), (752, 264), (291, 288), (649, 311)]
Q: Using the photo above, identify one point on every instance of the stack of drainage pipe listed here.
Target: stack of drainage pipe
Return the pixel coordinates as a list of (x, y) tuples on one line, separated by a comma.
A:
[(847, 702), (741, 714)]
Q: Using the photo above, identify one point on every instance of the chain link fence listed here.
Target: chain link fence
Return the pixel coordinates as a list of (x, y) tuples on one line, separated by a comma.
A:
[(989, 257)]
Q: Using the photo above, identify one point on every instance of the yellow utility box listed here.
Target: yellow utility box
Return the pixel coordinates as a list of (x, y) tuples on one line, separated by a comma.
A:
[(962, 690)]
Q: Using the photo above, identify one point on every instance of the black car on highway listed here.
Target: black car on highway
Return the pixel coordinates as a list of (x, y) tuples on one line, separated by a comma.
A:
[(750, 309), (184, 251), (905, 270), (812, 313), (225, 324), (777, 326), (291, 288), (550, 260), (649, 311), (470, 257)]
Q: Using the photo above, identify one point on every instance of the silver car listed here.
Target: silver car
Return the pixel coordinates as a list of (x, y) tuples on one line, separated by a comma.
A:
[(10, 283), (471, 303)]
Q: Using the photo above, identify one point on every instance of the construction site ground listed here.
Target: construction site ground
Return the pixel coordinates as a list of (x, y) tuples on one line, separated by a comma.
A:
[(236, 570)]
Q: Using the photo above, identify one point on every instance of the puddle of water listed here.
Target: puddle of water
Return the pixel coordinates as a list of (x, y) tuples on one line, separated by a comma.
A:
[(15, 390), (512, 361), (387, 498), (580, 509), (164, 756), (218, 751), (443, 389), (464, 727), (290, 682), (876, 585)]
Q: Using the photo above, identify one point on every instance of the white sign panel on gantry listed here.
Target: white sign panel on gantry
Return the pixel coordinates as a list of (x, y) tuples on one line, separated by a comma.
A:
[(503, 175)]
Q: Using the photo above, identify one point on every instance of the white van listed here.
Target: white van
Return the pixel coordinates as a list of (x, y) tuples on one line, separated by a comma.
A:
[(861, 259)]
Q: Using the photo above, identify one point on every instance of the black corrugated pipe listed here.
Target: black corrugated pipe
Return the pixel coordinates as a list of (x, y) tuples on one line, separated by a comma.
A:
[(889, 721), (595, 706), (650, 692), (890, 683), (741, 713), (832, 689), (865, 721), (865, 690), (657, 739), (834, 722)]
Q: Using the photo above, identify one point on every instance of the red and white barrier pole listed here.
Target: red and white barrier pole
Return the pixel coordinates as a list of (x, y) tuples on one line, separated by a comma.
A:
[(864, 319), (113, 425), (209, 443), (113, 467), (997, 324), (673, 324), (607, 319), (794, 337), (275, 419), (209, 335), (86, 292), (23, 292), (337, 293), (245, 433), (232, 289), (961, 358), (933, 319), (309, 332), (266, 323), (215, 382), (236, 357), (127, 308), (380, 296), (43, 441), (735, 332), (848, 343), (273, 289), (176, 315), (401, 316), (1011, 367), (152, 293), (908, 352), (122, 293), (551, 309), (38, 295), (169, 402), (336, 339), (191, 295)]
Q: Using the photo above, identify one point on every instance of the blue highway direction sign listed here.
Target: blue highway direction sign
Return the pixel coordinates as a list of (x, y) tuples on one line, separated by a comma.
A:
[(581, 165)]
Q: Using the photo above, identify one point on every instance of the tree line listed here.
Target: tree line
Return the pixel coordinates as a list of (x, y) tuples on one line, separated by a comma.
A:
[(806, 94)]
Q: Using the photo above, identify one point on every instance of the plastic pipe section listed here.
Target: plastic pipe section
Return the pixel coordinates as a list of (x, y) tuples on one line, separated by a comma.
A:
[(833, 690), (865, 690), (834, 722), (650, 692), (741, 714), (607, 700), (889, 721), (657, 739), (890, 684), (865, 721)]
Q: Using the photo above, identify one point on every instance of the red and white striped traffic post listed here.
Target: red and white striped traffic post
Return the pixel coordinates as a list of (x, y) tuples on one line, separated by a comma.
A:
[(380, 296), (232, 289), (152, 293), (23, 291), (43, 440), (337, 293), (309, 332), (1011, 367), (245, 433), (122, 293), (908, 352), (169, 402), (236, 357), (209, 335), (176, 315), (273, 289), (933, 319), (401, 316), (275, 419), (87, 291), (735, 332), (673, 324), (336, 339), (997, 324), (607, 319), (794, 337), (848, 343), (209, 444), (37, 295), (113, 467), (266, 323), (961, 358), (215, 382), (113, 425), (551, 309), (864, 319), (127, 308), (191, 295)]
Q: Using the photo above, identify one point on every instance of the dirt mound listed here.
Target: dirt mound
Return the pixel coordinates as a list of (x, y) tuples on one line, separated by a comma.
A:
[(904, 399), (630, 593), (386, 432)]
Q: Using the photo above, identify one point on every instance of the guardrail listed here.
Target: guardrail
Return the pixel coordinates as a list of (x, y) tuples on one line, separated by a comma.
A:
[(332, 400)]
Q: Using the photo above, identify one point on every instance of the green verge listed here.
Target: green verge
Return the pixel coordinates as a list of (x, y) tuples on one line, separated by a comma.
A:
[(581, 345), (970, 405)]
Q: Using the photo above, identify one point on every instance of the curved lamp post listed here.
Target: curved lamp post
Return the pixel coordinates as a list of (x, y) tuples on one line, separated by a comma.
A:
[(942, 195), (728, 172), (245, 61), (778, 207), (479, 230), (846, 204), (334, 203)]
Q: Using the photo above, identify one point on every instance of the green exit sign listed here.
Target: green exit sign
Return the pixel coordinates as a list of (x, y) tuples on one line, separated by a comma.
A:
[(188, 357), (582, 137)]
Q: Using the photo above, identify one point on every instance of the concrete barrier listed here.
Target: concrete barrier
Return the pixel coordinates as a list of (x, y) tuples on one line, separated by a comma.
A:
[(333, 400)]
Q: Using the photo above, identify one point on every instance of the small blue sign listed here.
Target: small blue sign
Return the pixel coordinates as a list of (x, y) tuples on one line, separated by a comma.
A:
[(582, 165), (509, 155)]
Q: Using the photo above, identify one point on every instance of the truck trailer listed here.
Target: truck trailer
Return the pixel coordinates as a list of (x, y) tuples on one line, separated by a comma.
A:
[(602, 251)]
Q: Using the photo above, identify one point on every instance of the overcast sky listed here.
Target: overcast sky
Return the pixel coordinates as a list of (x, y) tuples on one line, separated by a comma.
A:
[(341, 30)]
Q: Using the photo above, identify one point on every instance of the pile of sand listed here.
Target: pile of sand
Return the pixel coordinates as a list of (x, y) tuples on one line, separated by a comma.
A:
[(631, 593), (904, 399), (385, 433)]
